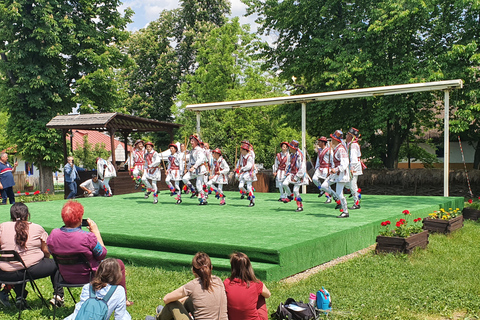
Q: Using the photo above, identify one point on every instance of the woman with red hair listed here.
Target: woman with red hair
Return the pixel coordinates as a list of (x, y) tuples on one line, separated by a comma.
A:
[(71, 239)]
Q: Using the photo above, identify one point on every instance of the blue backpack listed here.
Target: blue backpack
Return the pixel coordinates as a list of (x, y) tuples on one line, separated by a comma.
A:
[(95, 308), (324, 301)]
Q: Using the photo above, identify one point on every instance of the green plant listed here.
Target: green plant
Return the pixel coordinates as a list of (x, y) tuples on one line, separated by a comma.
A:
[(36, 196), (475, 204), (402, 228), (444, 214)]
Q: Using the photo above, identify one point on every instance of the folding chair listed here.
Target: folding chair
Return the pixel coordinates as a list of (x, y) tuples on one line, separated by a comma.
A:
[(69, 260), (13, 256)]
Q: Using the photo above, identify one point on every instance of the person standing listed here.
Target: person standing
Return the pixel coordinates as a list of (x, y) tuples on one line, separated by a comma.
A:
[(246, 173), (354, 155), (197, 169), (6, 178), (280, 168), (220, 170), (339, 172), (322, 166), (152, 172), (71, 176), (138, 158), (106, 171), (296, 174), (174, 172)]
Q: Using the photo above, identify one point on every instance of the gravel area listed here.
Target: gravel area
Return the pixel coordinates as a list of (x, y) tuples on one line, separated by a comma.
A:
[(305, 274)]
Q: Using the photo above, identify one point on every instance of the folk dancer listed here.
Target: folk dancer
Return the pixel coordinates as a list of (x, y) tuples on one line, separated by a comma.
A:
[(209, 165), (240, 163), (184, 156), (197, 169), (354, 154), (151, 172), (339, 172), (106, 171), (246, 173), (174, 172), (322, 166), (220, 170), (282, 159), (138, 159), (296, 174)]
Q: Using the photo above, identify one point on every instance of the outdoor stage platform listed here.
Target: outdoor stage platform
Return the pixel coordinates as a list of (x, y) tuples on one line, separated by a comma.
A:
[(279, 241)]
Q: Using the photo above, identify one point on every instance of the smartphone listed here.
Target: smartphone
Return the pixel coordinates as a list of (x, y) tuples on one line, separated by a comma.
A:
[(85, 223)]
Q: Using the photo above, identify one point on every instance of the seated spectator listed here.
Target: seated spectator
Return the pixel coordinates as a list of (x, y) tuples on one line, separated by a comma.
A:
[(30, 241), (107, 275), (204, 297), (91, 187), (71, 239), (245, 293)]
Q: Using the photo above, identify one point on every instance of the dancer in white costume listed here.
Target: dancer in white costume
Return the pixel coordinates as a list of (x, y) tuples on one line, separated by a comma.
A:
[(137, 162), (296, 174), (151, 171), (219, 177), (197, 169), (339, 172), (354, 155), (174, 172), (322, 166), (246, 173), (105, 172), (282, 160)]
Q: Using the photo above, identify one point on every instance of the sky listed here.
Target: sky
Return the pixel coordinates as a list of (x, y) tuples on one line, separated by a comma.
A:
[(149, 10)]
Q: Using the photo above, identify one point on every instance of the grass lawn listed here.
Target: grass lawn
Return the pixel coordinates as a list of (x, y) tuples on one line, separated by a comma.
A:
[(441, 282)]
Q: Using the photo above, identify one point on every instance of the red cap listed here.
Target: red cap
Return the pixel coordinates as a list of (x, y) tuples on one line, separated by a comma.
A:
[(149, 144), (173, 145), (217, 151), (337, 135), (245, 147)]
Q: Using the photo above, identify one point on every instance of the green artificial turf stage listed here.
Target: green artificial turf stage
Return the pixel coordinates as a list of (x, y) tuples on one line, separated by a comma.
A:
[(279, 241)]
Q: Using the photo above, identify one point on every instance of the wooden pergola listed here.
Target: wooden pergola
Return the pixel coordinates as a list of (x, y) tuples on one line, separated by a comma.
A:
[(112, 123)]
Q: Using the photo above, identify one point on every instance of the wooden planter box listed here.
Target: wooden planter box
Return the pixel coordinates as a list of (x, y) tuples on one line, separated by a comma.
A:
[(471, 213), (442, 226), (402, 245)]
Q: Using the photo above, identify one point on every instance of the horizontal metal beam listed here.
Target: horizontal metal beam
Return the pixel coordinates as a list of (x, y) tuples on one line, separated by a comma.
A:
[(332, 95)]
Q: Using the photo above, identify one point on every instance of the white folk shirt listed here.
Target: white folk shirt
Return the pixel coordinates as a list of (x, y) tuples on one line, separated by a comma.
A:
[(282, 160), (355, 154), (220, 170), (323, 163), (298, 168), (340, 165), (152, 166), (175, 167), (197, 161)]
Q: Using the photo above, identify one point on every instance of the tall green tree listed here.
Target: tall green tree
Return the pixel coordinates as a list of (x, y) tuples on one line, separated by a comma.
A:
[(50, 50), (196, 18), (336, 45), (228, 70)]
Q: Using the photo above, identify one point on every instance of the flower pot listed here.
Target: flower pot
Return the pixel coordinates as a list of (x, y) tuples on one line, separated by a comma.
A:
[(471, 213), (28, 188), (443, 226), (402, 245)]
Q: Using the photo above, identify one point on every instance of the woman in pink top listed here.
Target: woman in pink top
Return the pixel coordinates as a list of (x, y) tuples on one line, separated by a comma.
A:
[(245, 293), (30, 241)]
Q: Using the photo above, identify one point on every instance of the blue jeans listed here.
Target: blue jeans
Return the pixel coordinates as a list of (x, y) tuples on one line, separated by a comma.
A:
[(73, 190), (8, 193)]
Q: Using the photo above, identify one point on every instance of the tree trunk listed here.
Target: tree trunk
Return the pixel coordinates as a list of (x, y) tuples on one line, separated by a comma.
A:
[(46, 178), (476, 158)]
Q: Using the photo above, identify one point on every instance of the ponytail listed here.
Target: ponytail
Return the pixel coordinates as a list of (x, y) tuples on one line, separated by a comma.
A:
[(202, 267), (19, 213)]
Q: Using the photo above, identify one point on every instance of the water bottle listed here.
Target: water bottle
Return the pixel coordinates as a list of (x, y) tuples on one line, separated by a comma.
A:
[(313, 300)]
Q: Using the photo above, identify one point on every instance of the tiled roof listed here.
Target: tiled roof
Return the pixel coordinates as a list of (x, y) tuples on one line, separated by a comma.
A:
[(94, 137)]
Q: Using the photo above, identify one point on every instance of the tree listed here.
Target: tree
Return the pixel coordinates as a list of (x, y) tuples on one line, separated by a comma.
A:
[(227, 71), (336, 45), (50, 50), (87, 154)]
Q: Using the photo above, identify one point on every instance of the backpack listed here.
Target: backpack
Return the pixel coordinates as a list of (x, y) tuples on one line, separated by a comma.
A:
[(282, 313), (324, 301), (293, 310), (95, 308)]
